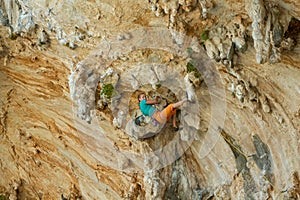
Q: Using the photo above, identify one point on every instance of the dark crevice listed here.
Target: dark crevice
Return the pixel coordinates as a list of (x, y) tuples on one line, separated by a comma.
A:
[(183, 183), (263, 157), (241, 161), (293, 29), (171, 192), (294, 192)]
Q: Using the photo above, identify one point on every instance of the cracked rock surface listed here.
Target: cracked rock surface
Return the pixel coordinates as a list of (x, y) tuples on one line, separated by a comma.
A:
[(70, 73)]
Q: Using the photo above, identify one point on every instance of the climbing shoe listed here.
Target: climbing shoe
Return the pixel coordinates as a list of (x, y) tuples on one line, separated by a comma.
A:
[(175, 129)]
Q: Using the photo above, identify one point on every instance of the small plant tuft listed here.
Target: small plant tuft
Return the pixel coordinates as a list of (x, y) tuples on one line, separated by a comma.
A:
[(2, 197), (108, 90), (191, 68), (204, 35), (189, 51)]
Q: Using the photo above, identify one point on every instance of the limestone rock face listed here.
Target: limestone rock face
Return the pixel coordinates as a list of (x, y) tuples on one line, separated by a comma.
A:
[(70, 74)]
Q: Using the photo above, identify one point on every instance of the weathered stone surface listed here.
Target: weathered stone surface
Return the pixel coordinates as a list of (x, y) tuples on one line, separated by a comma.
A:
[(64, 134)]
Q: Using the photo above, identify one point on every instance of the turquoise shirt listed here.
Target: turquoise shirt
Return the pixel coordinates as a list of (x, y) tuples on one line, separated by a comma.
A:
[(147, 109)]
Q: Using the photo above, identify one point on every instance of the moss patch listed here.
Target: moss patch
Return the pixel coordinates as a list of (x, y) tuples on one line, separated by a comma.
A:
[(2, 197), (204, 35), (108, 90), (189, 51), (191, 68)]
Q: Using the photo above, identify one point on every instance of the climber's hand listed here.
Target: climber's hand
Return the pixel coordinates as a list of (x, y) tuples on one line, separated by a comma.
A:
[(158, 99)]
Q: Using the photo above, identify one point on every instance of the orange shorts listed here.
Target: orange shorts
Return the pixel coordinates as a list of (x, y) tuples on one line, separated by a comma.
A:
[(164, 115)]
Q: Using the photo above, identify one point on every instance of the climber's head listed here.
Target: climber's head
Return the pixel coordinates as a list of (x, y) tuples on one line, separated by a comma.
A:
[(141, 96)]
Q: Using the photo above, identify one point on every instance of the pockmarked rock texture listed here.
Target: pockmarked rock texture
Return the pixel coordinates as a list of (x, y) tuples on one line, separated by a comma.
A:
[(70, 73)]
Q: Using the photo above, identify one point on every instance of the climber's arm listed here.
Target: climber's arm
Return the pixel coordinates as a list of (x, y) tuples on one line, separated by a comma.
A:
[(153, 101)]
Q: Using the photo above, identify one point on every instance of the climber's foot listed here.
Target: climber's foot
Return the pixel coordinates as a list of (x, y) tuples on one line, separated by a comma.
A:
[(188, 98), (175, 128)]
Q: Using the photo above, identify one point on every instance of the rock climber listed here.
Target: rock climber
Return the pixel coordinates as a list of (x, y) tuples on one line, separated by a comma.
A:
[(147, 108)]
